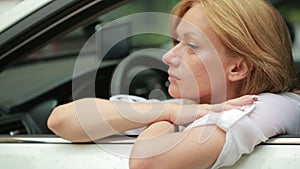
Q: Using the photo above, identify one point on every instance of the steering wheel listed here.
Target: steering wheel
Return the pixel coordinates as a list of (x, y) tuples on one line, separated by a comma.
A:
[(132, 65)]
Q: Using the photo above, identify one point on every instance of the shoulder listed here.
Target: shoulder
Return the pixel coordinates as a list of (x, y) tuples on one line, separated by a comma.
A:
[(277, 113), (278, 100), (278, 103)]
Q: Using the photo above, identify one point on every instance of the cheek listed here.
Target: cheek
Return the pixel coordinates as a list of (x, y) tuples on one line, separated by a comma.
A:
[(202, 82), (197, 73), (203, 74), (195, 84)]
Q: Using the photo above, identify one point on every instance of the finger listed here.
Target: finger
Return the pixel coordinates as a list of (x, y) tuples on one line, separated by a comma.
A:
[(243, 100), (224, 107)]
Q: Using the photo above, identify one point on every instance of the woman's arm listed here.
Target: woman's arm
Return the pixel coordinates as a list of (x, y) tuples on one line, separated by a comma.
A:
[(91, 119), (160, 147)]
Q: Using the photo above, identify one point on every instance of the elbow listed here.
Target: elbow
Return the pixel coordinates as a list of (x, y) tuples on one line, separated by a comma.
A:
[(55, 120), (61, 122), (64, 123)]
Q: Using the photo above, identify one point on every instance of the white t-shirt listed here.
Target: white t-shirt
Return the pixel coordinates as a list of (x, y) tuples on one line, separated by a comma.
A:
[(271, 115)]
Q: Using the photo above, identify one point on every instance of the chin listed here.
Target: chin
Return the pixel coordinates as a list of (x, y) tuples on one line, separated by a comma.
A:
[(174, 93)]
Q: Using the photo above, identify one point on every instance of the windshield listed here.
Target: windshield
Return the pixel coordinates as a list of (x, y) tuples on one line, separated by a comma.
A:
[(52, 65)]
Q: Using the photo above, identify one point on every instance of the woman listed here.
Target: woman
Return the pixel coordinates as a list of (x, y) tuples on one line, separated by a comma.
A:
[(250, 55), (254, 47)]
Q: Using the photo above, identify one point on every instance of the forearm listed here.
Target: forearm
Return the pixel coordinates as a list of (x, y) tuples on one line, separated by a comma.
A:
[(148, 143), (158, 129), (159, 147), (91, 119)]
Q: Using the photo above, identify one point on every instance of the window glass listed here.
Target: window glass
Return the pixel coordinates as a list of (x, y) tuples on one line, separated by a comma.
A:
[(290, 10), (52, 67), (71, 44)]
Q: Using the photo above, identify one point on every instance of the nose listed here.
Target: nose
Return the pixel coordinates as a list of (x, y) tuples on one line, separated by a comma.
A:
[(170, 58)]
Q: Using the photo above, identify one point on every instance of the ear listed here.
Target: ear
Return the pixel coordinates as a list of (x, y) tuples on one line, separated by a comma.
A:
[(238, 70)]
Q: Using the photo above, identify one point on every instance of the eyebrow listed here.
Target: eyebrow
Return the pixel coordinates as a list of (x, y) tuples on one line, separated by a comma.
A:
[(187, 31), (189, 34)]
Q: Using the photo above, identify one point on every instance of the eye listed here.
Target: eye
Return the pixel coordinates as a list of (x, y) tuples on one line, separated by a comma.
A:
[(193, 46)]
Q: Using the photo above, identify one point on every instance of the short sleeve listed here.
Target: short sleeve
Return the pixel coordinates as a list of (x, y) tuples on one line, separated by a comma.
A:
[(273, 114), (241, 138), (241, 134)]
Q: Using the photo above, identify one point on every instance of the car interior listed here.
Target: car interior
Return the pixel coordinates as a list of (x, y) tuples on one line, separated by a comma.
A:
[(33, 86), (36, 84)]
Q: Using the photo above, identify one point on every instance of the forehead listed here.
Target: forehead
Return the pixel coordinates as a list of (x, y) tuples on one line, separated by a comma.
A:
[(195, 20)]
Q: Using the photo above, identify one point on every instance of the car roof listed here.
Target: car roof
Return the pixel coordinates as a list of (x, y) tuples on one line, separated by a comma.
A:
[(19, 10)]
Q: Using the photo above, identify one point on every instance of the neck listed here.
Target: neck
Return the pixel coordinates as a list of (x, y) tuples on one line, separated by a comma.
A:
[(231, 93)]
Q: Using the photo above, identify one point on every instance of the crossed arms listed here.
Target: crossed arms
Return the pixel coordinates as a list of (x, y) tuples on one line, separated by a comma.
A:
[(160, 145)]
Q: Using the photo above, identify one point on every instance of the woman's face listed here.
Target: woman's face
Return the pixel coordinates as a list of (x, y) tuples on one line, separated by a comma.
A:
[(197, 63)]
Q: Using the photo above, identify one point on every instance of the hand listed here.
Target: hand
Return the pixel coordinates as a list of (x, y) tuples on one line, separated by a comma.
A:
[(237, 103), (184, 114)]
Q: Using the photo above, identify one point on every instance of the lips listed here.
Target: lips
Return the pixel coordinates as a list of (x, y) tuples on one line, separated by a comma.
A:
[(172, 77)]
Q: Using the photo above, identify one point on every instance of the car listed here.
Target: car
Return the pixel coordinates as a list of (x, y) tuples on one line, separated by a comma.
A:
[(49, 56)]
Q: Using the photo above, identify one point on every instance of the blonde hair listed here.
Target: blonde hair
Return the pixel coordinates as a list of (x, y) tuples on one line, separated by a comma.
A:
[(252, 29)]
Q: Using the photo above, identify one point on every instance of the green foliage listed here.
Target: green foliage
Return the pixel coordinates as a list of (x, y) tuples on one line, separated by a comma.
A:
[(291, 10)]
